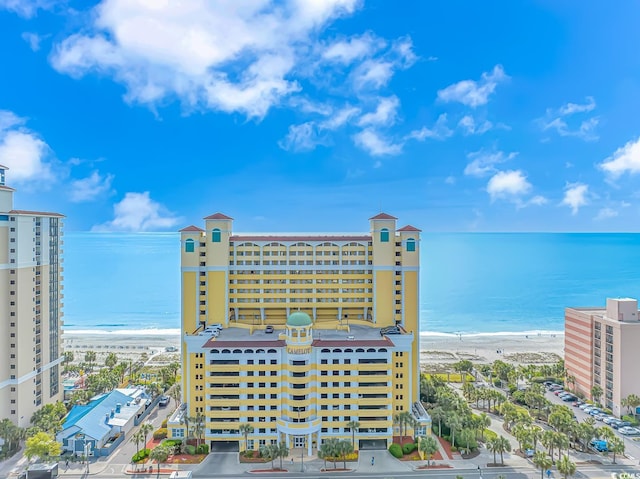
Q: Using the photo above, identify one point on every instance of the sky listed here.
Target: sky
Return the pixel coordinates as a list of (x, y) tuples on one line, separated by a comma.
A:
[(313, 115)]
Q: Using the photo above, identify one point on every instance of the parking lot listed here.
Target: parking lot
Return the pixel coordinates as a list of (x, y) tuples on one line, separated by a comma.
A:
[(631, 441)]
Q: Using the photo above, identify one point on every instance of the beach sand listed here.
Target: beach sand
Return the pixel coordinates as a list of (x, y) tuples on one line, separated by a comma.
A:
[(440, 350), (437, 350)]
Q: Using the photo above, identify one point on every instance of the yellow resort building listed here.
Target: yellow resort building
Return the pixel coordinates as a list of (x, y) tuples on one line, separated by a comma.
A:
[(299, 335), (30, 308)]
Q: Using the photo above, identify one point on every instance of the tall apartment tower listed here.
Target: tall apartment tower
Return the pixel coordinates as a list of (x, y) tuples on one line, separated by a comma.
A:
[(601, 349), (30, 308), (316, 332)]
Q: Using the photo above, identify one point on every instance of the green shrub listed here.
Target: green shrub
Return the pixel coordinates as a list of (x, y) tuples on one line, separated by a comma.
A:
[(396, 450), (408, 448), (248, 453), (141, 455), (164, 422), (172, 442), (489, 434), (202, 449), (160, 433), (189, 449), (497, 382), (454, 449)]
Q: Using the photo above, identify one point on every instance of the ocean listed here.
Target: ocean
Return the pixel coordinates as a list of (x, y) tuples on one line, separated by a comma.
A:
[(471, 283)]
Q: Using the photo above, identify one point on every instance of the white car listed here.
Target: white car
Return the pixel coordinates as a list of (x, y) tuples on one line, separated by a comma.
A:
[(629, 431), (585, 406), (588, 409)]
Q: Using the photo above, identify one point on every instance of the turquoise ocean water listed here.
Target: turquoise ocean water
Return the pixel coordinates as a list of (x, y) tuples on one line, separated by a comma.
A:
[(471, 283)]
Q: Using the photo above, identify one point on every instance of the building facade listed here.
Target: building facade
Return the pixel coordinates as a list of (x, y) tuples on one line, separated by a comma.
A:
[(30, 308), (302, 355), (601, 350)]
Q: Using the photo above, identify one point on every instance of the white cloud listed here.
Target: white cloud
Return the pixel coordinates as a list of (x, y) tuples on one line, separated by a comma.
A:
[(474, 93), (605, 214), (538, 200), (26, 8), (625, 159), (571, 108), (575, 196), (340, 118), (556, 119), (440, 131), (385, 113), (373, 143), (484, 162), (585, 131), (450, 180), (33, 39), (373, 74), (509, 185), (8, 119), (22, 151), (228, 56), (303, 137), (90, 188), (138, 212), (469, 127), (346, 51)]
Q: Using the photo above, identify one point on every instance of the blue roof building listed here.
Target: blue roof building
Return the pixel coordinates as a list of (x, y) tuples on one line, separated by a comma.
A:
[(97, 427)]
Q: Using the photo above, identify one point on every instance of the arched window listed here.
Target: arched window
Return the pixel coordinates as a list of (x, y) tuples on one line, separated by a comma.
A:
[(384, 235), (272, 351), (411, 244), (215, 235), (189, 246)]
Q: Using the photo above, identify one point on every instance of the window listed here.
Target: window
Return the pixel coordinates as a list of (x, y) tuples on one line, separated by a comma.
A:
[(411, 244), (177, 432), (384, 235), (215, 235), (189, 246)]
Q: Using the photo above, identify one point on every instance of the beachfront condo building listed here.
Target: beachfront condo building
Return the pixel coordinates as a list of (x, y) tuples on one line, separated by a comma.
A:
[(302, 353), (30, 308), (601, 349)]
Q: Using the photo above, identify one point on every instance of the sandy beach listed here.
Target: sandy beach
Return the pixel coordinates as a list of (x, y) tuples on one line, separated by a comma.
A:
[(437, 350)]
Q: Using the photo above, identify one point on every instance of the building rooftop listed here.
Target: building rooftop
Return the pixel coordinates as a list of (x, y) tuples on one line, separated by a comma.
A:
[(239, 338), (218, 216), (299, 237), (383, 216), (35, 213), (191, 228)]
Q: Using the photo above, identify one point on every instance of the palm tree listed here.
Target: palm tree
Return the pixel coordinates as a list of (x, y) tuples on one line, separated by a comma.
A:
[(542, 462), (176, 394), (427, 445), (199, 427), (616, 446), (596, 393), (245, 430), (566, 467), (281, 450), (454, 424), (186, 420), (485, 422), (438, 414), (354, 425), (138, 437), (111, 360), (547, 440), (269, 452), (499, 445), (344, 448), (324, 452), (561, 441), (160, 454), (145, 429), (90, 358)]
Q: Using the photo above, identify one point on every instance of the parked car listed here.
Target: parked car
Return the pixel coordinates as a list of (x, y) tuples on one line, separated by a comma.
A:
[(569, 397), (609, 419), (577, 403), (595, 411), (588, 409), (390, 330), (599, 445), (164, 401), (557, 392), (547, 383), (213, 327), (268, 329)]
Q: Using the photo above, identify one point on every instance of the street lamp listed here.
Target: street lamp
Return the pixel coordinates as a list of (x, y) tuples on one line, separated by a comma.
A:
[(86, 452), (480, 472)]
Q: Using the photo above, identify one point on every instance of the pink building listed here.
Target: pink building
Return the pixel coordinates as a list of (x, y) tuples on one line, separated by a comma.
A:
[(601, 348)]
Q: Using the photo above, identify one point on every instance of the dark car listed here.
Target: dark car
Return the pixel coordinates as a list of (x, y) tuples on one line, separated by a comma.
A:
[(164, 401), (268, 329)]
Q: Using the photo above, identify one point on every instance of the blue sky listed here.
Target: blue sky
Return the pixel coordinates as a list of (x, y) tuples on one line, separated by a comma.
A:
[(137, 115)]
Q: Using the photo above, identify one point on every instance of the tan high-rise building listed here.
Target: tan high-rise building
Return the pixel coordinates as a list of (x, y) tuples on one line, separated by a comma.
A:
[(601, 349), (30, 308)]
